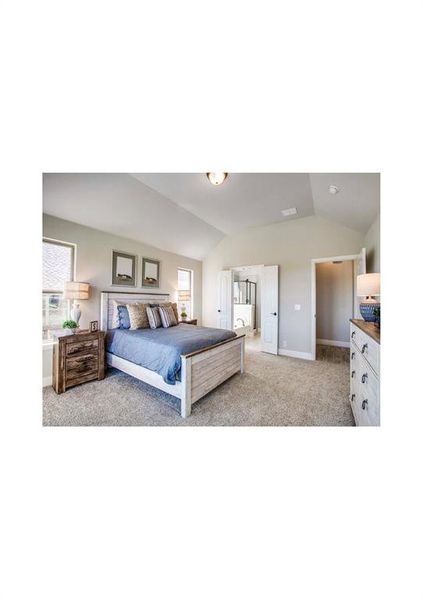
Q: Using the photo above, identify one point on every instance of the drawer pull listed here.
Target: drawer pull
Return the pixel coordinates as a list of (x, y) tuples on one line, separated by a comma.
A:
[(364, 348), (352, 374), (364, 404), (364, 377), (352, 397), (353, 334), (353, 356)]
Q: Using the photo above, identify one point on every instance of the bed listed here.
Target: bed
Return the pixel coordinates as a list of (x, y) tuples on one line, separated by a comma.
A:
[(185, 361)]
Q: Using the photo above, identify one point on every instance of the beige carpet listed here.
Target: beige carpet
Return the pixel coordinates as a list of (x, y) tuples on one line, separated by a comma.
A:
[(274, 390)]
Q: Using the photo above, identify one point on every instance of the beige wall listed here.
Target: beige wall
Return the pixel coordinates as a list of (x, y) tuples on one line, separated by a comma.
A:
[(334, 300), (93, 265), (291, 245), (372, 245)]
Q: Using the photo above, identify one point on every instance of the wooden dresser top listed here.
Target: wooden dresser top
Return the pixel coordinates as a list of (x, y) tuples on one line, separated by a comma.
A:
[(369, 328)]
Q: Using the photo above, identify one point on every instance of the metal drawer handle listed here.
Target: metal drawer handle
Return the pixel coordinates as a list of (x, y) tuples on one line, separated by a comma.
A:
[(364, 348), (353, 334), (352, 397), (353, 356), (364, 404), (364, 377), (352, 374)]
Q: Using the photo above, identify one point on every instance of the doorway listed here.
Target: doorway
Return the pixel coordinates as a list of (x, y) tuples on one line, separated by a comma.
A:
[(248, 303), (333, 303)]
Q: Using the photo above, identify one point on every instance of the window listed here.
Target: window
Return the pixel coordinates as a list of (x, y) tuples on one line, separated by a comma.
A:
[(185, 277), (58, 267)]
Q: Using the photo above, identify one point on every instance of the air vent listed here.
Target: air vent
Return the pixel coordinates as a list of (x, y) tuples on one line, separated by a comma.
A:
[(289, 212)]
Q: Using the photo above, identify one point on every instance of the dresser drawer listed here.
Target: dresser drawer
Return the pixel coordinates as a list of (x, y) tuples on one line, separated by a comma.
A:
[(86, 347), (368, 410), (81, 365), (370, 351)]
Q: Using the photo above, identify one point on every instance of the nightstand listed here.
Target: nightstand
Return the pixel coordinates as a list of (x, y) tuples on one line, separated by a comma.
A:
[(189, 321), (78, 358)]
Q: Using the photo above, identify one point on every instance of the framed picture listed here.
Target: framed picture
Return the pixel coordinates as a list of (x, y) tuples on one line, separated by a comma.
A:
[(93, 326), (123, 268), (150, 273)]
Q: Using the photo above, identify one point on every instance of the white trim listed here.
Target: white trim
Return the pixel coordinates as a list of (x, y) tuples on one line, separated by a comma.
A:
[(295, 354), (47, 381), (333, 343), (314, 261)]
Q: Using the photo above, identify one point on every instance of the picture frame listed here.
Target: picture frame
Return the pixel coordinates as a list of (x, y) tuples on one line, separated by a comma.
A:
[(124, 269), (93, 326), (150, 273)]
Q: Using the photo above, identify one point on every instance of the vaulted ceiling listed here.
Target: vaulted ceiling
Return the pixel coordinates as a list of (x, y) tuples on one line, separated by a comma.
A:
[(185, 214)]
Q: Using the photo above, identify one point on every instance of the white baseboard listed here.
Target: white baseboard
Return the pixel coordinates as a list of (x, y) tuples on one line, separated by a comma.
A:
[(334, 343), (47, 381), (295, 354)]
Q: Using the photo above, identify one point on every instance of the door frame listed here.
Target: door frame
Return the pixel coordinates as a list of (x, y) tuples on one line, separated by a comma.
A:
[(314, 262)]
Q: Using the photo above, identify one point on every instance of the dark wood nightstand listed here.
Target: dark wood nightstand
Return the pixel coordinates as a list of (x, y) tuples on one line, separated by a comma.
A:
[(190, 321), (78, 358)]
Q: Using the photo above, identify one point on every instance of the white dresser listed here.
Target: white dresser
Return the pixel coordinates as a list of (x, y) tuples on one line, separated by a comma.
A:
[(364, 372)]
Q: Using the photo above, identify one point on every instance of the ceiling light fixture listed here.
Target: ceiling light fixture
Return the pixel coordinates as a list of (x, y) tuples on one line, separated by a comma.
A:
[(333, 189), (216, 178)]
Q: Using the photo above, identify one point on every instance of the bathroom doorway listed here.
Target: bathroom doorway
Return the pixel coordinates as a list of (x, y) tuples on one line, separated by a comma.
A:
[(247, 303)]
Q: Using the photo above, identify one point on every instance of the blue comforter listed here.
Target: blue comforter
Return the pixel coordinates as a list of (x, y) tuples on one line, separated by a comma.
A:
[(160, 349)]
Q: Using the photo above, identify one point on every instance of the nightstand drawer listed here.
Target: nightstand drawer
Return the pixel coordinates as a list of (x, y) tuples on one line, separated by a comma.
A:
[(81, 347), (81, 364)]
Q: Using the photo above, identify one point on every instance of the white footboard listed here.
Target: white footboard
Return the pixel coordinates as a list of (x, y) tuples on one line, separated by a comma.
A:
[(204, 370)]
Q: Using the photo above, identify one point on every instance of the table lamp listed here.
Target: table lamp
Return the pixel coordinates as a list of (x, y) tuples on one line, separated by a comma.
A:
[(368, 285), (75, 290)]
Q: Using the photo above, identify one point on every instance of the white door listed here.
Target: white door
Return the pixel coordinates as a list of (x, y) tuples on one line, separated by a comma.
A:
[(359, 269), (224, 300), (270, 309)]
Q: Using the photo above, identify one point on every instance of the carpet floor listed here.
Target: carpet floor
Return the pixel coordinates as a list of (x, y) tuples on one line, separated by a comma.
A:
[(273, 391)]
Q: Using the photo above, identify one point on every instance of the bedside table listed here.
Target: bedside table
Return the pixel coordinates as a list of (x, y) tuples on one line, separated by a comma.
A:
[(78, 358), (189, 321)]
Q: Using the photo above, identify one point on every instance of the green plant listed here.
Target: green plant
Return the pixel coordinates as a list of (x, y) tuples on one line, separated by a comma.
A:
[(184, 314), (69, 324), (376, 313)]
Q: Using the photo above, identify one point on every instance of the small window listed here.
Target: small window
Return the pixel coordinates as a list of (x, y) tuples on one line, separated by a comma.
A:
[(58, 267), (185, 277)]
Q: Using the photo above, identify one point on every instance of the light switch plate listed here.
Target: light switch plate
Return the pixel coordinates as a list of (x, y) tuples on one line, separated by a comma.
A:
[(297, 306)]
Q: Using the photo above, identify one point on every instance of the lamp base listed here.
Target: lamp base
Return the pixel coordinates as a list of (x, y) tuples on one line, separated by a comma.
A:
[(366, 310), (75, 313)]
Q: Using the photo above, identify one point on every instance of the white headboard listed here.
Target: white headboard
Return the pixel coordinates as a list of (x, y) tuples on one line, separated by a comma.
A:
[(106, 309)]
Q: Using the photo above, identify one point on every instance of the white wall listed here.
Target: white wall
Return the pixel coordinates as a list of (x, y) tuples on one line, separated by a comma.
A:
[(372, 245), (291, 245), (334, 300), (94, 265)]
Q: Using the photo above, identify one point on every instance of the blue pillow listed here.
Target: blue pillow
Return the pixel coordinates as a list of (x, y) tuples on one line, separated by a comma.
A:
[(124, 322)]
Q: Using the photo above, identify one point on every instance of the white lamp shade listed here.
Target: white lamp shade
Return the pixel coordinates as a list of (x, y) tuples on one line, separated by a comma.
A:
[(368, 284), (75, 290)]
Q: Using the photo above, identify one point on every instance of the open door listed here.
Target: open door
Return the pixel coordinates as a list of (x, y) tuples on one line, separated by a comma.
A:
[(224, 300), (359, 269), (270, 309)]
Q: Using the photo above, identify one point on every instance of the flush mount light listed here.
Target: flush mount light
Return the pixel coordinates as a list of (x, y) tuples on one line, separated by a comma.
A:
[(333, 189), (217, 178), (289, 212)]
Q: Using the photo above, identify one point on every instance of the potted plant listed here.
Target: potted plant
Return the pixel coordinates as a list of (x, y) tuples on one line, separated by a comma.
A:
[(71, 325), (184, 314)]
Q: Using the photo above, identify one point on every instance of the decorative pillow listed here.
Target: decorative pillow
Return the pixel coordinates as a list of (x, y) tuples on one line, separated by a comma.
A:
[(172, 304), (153, 316), (115, 314), (137, 315), (167, 316), (124, 322)]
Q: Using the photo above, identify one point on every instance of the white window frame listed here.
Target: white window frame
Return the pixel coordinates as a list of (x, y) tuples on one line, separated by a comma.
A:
[(191, 272), (73, 273)]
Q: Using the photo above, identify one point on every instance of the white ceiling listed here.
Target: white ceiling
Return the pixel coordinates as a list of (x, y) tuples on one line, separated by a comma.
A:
[(185, 214)]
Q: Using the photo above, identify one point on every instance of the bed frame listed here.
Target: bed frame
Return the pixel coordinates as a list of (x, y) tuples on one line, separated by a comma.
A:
[(202, 370)]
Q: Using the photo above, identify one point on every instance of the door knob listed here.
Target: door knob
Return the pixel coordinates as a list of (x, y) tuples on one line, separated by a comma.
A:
[(218, 310), (274, 314)]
